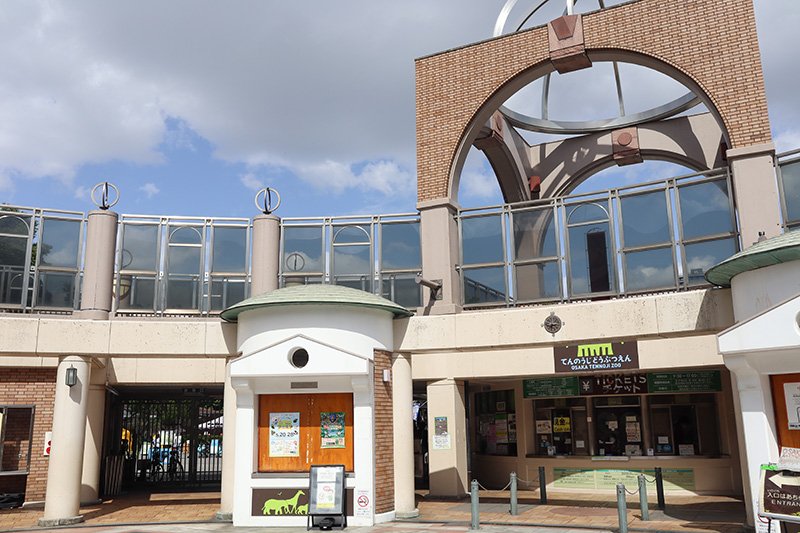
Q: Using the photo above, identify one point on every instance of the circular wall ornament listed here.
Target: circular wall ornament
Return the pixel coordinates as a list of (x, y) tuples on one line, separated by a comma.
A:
[(552, 324)]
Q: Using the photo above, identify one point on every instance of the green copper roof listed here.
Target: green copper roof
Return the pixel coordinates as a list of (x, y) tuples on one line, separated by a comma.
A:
[(780, 249), (314, 295)]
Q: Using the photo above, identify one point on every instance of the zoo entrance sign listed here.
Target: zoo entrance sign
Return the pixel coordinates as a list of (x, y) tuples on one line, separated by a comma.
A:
[(602, 356)]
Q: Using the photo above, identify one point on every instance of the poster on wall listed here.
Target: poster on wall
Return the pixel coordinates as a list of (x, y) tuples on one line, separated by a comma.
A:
[(284, 434), (633, 432), (501, 428), (544, 426), (441, 436), (792, 394), (331, 429), (561, 424)]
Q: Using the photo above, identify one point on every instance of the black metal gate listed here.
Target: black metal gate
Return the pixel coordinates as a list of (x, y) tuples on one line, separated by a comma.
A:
[(164, 443)]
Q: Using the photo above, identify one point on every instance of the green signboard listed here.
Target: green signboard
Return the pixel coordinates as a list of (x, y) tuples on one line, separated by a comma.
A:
[(704, 381), (551, 387)]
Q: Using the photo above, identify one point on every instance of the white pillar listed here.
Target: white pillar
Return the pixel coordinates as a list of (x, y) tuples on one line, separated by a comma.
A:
[(98, 273), (755, 191), (403, 427), (440, 253), (245, 462), (228, 447), (448, 465), (266, 251), (62, 499), (93, 447), (756, 423), (364, 442)]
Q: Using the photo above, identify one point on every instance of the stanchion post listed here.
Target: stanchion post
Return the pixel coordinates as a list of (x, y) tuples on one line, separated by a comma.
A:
[(660, 488), (622, 508), (542, 486), (513, 483), (475, 524), (643, 498)]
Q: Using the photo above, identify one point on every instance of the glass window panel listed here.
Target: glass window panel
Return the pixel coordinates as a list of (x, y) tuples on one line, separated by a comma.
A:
[(139, 248), (705, 209), (16, 438), (650, 269), (644, 219), (59, 243), (225, 292), (56, 289), (302, 249), (351, 260), (703, 255), (537, 281), (400, 246), (230, 250), (184, 260), (137, 292), (185, 235), (590, 261), (351, 235), (362, 283), (590, 212), (12, 252), (482, 285), (482, 239), (403, 290), (534, 234), (182, 293), (11, 280), (14, 224), (790, 176)]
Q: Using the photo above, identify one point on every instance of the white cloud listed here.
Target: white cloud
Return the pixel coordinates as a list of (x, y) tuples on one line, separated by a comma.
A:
[(251, 181), (385, 177), (150, 189), (81, 193)]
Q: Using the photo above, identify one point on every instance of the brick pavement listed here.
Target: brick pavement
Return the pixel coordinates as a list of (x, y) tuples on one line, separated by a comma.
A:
[(687, 514)]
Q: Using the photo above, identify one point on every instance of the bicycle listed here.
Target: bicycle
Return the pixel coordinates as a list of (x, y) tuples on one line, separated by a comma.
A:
[(174, 468)]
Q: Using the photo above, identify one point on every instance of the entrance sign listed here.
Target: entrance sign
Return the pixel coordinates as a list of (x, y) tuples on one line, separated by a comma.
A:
[(284, 434), (602, 356), (326, 496), (331, 430), (780, 494)]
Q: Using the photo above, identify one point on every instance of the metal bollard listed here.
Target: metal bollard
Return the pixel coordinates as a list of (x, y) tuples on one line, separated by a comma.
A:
[(643, 498), (514, 508), (475, 524), (622, 508), (542, 486), (660, 488)]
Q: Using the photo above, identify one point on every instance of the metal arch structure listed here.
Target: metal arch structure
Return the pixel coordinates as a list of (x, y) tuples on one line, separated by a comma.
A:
[(545, 125)]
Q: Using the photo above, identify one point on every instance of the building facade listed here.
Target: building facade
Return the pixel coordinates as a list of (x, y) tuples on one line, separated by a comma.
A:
[(574, 332)]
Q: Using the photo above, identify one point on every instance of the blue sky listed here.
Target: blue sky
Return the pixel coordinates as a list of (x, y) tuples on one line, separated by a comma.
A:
[(191, 106)]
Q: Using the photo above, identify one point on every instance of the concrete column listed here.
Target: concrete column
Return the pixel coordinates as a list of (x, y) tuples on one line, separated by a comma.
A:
[(755, 424), (245, 461), (448, 466), (62, 499), (403, 427), (440, 254), (266, 252), (755, 190), (225, 512), (93, 447), (98, 271)]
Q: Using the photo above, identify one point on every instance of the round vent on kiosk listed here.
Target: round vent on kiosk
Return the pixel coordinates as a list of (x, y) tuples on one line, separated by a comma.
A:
[(299, 358)]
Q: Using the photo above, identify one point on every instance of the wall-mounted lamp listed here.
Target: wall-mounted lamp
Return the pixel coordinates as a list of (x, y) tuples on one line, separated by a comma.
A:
[(387, 375), (434, 285), (72, 376)]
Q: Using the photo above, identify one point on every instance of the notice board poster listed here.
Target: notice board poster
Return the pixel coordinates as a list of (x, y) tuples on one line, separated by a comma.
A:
[(441, 435), (331, 430), (284, 434), (326, 490), (792, 394)]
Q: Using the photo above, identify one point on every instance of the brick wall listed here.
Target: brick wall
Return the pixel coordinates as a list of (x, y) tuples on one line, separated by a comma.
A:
[(712, 43), (27, 386), (384, 436)]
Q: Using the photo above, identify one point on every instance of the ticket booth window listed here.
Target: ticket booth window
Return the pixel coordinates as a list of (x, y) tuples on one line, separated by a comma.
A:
[(676, 427), (562, 427), (497, 423), (619, 425)]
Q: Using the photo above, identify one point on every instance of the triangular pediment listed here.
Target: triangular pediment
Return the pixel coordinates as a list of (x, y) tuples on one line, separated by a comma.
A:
[(324, 359)]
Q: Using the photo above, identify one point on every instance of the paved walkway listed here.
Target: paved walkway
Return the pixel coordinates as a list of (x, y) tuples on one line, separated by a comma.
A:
[(193, 512)]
